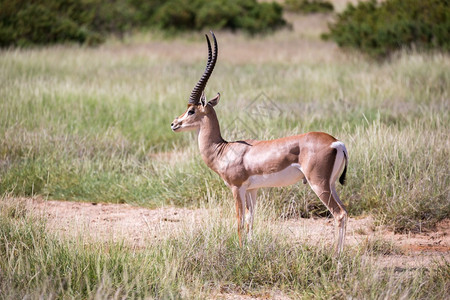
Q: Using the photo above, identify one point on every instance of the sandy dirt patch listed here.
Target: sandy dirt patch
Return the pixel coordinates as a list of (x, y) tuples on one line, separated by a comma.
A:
[(138, 226), (117, 222)]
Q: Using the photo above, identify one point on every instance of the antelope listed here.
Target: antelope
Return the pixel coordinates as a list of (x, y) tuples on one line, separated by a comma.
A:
[(317, 158)]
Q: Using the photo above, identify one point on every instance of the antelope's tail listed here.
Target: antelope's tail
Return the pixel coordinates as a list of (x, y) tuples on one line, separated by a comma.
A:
[(344, 173)]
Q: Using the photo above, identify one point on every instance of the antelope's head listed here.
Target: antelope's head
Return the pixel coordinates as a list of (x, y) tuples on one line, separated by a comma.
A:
[(198, 107)]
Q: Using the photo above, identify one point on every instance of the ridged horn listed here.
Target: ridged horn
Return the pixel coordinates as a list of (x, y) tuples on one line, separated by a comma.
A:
[(200, 86)]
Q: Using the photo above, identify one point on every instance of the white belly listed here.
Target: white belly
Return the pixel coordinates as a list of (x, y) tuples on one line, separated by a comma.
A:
[(288, 176)]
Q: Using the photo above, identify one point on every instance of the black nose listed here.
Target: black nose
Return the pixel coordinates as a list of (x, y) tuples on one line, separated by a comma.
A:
[(171, 125)]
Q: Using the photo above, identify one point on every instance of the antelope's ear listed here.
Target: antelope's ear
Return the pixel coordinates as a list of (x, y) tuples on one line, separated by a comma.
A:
[(203, 99), (213, 102)]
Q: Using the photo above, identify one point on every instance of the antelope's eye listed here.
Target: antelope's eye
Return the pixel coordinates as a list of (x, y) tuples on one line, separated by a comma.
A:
[(191, 112)]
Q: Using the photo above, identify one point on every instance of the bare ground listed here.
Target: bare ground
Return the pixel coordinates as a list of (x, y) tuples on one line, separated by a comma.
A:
[(138, 226)]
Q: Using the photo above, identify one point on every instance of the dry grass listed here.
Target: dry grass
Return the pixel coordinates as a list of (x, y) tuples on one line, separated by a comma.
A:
[(201, 260)]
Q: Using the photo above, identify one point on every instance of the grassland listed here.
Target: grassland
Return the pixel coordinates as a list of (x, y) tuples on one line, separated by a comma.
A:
[(201, 261), (92, 124)]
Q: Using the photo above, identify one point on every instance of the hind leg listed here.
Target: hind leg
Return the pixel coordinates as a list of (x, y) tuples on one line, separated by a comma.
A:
[(322, 175), (328, 195), (341, 219)]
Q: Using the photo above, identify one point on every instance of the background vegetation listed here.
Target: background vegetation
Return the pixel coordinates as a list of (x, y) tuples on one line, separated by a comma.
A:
[(25, 22), (308, 6), (382, 28), (376, 28)]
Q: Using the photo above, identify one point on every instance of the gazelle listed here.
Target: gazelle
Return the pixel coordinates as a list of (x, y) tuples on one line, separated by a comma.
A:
[(245, 166)]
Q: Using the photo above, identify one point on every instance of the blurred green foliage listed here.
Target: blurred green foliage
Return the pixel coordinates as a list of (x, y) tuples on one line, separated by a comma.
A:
[(381, 28), (308, 6), (25, 22), (183, 15)]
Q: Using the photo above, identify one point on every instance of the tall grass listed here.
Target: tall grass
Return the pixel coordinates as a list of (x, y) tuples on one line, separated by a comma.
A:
[(194, 263), (93, 124)]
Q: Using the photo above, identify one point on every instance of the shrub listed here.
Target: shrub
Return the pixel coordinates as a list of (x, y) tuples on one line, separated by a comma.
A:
[(218, 14), (381, 28), (261, 17), (45, 22), (23, 23), (308, 6), (248, 15), (51, 21), (113, 16), (175, 15)]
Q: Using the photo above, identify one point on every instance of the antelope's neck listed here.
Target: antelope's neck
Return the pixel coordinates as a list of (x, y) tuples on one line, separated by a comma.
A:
[(210, 140)]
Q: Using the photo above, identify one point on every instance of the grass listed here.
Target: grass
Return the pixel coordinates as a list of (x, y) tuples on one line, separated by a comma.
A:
[(379, 246), (92, 124), (194, 263)]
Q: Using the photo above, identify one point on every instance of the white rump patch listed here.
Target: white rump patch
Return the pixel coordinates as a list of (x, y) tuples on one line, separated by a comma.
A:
[(339, 163), (337, 145)]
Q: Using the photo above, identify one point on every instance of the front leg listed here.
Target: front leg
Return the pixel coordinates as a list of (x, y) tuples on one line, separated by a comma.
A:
[(239, 198), (249, 215)]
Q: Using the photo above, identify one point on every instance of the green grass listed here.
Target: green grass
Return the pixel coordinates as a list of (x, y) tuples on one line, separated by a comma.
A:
[(195, 263), (92, 124)]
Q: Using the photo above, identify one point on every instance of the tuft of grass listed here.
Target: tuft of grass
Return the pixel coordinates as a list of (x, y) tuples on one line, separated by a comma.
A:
[(13, 209), (380, 246)]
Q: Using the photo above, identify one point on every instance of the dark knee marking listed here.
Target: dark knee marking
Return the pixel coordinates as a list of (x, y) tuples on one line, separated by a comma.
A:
[(342, 216)]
